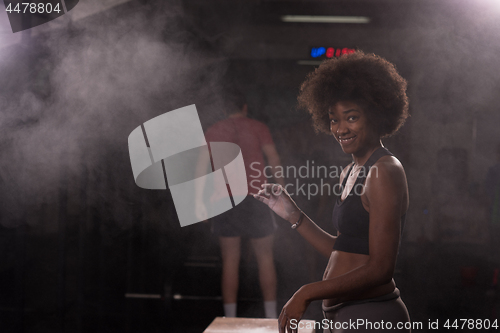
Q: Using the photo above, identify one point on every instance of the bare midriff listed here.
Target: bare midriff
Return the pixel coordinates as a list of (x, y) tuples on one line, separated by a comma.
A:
[(341, 263)]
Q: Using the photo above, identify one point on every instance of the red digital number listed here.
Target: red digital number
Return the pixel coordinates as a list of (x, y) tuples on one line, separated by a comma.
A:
[(330, 52), (345, 50)]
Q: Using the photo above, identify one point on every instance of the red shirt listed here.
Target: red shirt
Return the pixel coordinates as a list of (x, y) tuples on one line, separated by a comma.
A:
[(251, 135)]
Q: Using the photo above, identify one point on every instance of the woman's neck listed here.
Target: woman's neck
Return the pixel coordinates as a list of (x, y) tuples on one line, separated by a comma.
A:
[(362, 156)]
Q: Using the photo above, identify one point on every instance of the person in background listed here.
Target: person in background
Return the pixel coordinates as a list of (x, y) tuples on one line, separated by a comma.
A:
[(250, 218)]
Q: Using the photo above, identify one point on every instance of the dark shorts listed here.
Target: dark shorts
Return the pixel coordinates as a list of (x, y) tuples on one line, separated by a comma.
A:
[(387, 309), (251, 218)]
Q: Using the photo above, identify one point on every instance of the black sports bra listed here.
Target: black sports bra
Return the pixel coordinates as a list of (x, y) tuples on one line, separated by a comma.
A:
[(350, 218)]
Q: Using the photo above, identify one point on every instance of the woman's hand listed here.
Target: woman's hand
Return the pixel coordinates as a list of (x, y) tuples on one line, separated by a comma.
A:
[(292, 312), (278, 199)]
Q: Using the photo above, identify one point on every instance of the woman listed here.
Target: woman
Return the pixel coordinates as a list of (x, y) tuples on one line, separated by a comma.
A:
[(359, 98)]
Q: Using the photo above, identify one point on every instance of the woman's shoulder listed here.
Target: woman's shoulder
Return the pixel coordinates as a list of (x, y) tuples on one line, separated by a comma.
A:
[(388, 163), (386, 183), (387, 169)]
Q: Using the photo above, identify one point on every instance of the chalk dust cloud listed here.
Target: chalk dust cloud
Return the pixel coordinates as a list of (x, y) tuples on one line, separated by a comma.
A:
[(71, 94)]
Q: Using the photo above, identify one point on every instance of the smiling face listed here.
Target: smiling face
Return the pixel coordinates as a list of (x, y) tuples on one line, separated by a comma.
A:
[(351, 128)]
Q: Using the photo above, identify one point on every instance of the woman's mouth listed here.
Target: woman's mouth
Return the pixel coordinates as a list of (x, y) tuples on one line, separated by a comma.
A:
[(346, 141)]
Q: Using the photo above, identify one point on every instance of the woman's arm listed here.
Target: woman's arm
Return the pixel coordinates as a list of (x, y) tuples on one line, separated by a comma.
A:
[(278, 199), (321, 240), (312, 233), (317, 237)]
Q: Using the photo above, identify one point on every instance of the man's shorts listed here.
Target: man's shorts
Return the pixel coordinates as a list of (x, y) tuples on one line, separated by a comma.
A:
[(251, 218)]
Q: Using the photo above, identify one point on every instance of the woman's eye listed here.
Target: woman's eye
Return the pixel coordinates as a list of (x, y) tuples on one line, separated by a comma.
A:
[(352, 118), (333, 121)]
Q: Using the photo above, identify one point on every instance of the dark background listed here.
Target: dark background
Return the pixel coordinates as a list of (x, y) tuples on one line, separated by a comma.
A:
[(76, 233)]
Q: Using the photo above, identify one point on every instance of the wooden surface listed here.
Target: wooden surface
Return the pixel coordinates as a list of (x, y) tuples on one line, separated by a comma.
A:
[(251, 325)]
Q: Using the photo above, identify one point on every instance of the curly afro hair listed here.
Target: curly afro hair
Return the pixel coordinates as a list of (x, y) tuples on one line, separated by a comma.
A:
[(366, 79)]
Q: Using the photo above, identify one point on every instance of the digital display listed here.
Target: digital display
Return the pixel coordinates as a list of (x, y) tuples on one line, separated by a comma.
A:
[(330, 52)]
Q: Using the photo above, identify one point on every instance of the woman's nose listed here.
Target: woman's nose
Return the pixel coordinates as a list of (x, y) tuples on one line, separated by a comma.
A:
[(341, 128)]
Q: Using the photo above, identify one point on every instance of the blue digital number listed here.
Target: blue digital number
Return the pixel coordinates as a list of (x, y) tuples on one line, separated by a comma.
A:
[(317, 52)]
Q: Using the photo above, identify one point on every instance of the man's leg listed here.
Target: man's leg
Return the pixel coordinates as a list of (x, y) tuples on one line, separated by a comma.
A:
[(230, 251), (263, 249)]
